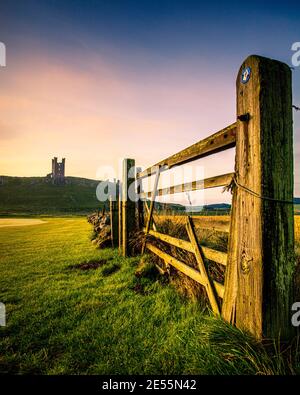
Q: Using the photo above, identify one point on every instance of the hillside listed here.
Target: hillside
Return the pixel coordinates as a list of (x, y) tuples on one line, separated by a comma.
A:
[(37, 195)]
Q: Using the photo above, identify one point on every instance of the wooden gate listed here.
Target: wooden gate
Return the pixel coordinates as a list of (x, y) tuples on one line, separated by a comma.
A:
[(258, 291)]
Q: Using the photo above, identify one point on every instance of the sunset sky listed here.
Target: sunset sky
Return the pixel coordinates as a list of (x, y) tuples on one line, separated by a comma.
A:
[(96, 81)]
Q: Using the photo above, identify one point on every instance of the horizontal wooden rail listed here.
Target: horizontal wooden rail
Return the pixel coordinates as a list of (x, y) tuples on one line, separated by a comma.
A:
[(185, 245), (220, 141), (220, 289), (219, 224), (185, 269), (214, 255), (211, 182), (209, 253)]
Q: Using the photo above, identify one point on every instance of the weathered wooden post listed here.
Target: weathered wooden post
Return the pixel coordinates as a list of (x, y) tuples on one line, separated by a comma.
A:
[(114, 218), (128, 204), (120, 217), (140, 203), (259, 278)]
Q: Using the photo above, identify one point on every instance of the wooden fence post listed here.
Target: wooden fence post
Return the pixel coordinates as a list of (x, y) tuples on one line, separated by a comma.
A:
[(114, 220), (140, 205), (120, 216), (128, 204), (259, 277)]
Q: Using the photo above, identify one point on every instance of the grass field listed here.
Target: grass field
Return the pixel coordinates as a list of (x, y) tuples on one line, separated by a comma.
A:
[(38, 196), (63, 320)]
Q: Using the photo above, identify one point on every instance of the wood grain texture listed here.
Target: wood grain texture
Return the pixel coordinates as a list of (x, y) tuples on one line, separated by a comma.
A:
[(220, 289), (259, 277), (214, 255), (128, 205), (120, 218), (114, 218), (187, 270), (211, 182), (153, 220), (140, 203), (174, 241), (201, 265), (209, 253)]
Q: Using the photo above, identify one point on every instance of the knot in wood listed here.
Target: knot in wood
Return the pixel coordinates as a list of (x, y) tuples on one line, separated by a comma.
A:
[(244, 117), (245, 263)]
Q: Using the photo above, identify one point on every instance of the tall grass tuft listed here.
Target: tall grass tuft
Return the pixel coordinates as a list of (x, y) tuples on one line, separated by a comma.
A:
[(238, 352)]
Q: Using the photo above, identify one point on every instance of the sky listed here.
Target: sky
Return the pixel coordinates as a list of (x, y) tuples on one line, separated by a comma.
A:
[(98, 81)]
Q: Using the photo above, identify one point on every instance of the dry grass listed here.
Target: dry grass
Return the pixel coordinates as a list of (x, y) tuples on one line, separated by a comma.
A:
[(175, 226), (217, 240)]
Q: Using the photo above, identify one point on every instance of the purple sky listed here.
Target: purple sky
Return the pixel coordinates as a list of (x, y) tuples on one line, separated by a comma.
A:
[(96, 81)]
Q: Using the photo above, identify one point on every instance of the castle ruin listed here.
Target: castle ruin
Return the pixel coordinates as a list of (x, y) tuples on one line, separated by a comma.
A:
[(58, 171)]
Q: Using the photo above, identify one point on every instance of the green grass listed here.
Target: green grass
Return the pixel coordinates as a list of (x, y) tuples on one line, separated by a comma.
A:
[(62, 320), (37, 195)]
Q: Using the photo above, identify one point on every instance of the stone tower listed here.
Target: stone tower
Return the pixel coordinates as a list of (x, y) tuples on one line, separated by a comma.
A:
[(58, 171)]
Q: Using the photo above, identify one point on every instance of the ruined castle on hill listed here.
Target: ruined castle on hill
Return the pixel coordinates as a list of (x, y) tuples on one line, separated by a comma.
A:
[(58, 171)]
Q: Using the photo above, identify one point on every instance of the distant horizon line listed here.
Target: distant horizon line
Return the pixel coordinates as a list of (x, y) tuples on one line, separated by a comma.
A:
[(92, 179)]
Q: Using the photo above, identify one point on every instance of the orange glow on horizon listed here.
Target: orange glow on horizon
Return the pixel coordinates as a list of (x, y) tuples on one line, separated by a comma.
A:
[(95, 116)]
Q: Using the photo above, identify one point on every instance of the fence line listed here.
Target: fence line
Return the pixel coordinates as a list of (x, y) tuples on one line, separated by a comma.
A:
[(258, 291)]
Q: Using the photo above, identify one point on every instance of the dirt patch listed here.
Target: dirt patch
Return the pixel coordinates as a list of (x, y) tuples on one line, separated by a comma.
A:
[(138, 288), (110, 269), (91, 265)]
